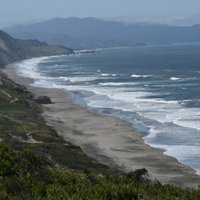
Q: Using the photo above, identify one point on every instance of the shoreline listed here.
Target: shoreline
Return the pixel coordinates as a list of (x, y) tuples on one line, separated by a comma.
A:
[(109, 140)]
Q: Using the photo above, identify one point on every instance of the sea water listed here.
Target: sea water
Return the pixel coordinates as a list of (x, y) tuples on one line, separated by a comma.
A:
[(157, 89)]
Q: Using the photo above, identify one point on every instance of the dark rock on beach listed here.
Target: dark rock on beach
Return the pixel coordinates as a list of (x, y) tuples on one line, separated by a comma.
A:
[(43, 100)]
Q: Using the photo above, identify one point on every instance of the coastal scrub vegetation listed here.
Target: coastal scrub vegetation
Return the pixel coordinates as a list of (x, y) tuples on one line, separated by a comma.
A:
[(38, 164), (22, 126), (27, 175)]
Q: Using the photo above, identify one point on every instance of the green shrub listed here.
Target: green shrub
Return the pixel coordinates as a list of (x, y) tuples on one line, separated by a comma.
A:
[(26, 175), (8, 161)]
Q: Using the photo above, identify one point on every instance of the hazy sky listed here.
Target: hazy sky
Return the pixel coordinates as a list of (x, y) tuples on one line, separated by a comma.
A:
[(19, 11)]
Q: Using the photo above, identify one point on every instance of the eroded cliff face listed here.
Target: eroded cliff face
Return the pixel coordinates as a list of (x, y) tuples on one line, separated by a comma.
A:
[(12, 49)]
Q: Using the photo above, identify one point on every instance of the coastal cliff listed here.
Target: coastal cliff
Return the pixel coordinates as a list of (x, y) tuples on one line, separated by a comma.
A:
[(12, 49)]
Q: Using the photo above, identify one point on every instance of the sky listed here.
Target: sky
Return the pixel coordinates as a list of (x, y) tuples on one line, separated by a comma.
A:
[(23, 11)]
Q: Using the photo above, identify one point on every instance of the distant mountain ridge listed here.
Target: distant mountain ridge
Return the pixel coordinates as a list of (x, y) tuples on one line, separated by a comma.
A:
[(95, 33), (12, 49)]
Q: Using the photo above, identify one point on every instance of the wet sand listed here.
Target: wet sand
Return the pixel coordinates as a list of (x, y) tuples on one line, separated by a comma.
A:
[(108, 139)]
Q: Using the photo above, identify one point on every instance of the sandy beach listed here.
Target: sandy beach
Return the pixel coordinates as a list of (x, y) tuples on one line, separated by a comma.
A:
[(107, 139)]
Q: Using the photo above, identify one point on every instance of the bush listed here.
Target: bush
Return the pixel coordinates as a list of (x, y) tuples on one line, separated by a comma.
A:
[(8, 161), (26, 175)]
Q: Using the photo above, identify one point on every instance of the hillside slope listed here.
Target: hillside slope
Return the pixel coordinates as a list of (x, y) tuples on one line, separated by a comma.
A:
[(12, 49)]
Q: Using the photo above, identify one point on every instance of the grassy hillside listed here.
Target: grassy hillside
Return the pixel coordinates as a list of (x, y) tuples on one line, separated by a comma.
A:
[(12, 50), (21, 126), (37, 164)]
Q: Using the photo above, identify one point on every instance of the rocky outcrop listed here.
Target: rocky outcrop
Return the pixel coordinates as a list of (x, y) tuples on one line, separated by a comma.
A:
[(43, 100), (6, 82), (29, 100)]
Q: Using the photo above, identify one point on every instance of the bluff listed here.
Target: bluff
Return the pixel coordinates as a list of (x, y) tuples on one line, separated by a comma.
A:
[(12, 49)]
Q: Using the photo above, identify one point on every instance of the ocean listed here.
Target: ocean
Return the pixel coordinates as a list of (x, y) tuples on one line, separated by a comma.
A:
[(155, 88)]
